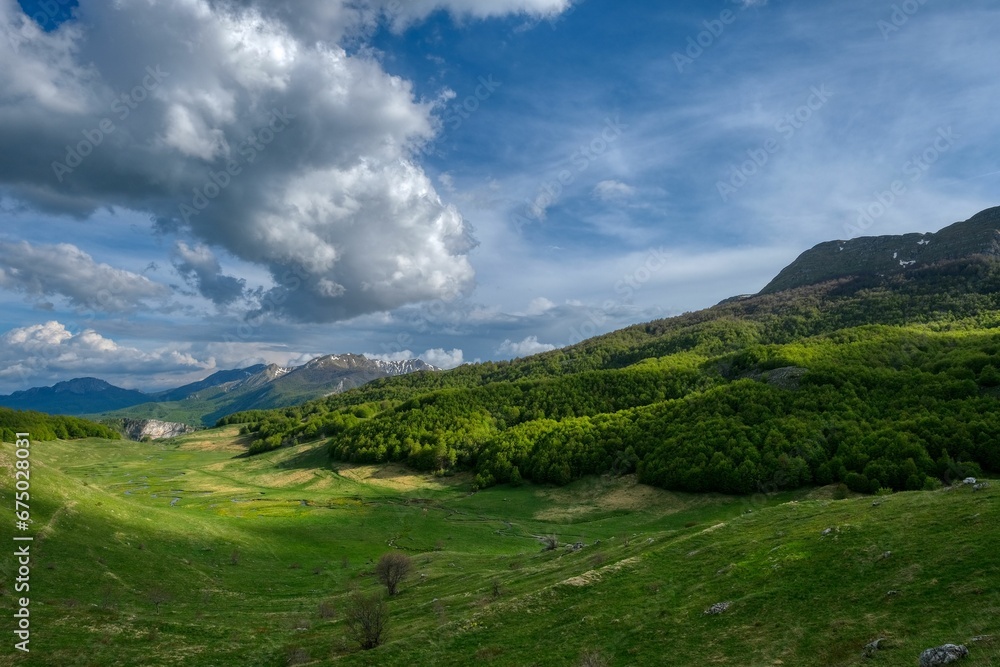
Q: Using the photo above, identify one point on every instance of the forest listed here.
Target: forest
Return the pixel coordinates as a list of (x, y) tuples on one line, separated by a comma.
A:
[(42, 426), (872, 383)]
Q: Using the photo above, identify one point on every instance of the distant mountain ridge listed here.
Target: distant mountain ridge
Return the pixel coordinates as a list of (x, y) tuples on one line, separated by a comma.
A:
[(886, 255), (202, 403), (74, 397)]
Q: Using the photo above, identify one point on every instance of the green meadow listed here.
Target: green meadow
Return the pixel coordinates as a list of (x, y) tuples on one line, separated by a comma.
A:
[(186, 553)]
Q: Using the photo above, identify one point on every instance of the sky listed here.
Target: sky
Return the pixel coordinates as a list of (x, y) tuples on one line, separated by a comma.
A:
[(195, 185)]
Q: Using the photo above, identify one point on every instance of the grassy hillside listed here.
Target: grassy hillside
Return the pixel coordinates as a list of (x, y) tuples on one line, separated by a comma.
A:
[(870, 382), (180, 554)]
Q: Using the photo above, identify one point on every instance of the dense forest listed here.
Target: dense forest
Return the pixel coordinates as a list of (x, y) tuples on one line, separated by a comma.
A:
[(50, 427), (874, 383)]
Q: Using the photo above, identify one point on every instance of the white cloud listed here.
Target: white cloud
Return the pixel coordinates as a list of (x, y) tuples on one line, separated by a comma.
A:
[(525, 348), (262, 137), (540, 305), (63, 270), (50, 352), (443, 358), (613, 190)]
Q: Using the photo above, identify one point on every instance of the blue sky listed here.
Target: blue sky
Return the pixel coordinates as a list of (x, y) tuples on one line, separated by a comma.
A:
[(452, 179)]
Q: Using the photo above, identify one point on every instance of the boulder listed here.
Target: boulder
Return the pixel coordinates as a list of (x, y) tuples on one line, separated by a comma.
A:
[(718, 608), (943, 655)]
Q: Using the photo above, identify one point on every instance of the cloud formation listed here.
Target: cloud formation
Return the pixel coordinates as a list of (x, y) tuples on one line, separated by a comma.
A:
[(63, 270), (199, 266), (258, 136), (525, 348), (613, 190), (50, 352)]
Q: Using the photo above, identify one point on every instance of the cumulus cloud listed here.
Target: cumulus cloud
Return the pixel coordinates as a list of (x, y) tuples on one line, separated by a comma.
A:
[(613, 190), (443, 358), (51, 352), (199, 266), (263, 136), (525, 348), (63, 270)]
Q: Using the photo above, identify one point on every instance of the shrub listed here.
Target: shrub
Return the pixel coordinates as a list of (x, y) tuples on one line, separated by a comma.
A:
[(367, 619), (392, 568)]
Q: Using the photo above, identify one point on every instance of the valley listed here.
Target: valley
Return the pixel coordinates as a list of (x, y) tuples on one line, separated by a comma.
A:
[(186, 552)]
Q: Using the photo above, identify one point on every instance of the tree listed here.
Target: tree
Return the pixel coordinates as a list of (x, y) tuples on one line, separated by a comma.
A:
[(392, 568), (367, 618), (157, 596)]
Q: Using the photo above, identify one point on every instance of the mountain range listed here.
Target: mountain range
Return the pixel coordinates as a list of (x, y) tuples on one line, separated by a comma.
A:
[(205, 401)]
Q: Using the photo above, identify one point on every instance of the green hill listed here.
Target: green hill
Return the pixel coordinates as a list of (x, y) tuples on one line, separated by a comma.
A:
[(871, 381), (181, 554)]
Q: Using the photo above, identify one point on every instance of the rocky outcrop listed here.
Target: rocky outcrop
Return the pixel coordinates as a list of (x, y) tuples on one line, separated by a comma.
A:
[(153, 429), (943, 655), (886, 255)]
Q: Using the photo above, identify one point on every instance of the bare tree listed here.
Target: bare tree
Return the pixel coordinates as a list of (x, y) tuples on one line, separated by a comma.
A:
[(392, 568), (366, 617), (157, 596)]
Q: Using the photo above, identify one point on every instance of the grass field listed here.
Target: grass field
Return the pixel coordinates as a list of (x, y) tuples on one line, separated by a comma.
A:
[(181, 553)]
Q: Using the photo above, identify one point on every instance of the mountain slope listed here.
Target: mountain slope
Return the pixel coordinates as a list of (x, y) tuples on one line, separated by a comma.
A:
[(265, 387), (218, 379), (885, 255), (779, 389)]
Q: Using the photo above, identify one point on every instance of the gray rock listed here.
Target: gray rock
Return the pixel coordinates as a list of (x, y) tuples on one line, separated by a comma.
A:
[(980, 486), (873, 647), (943, 655), (154, 429), (718, 608), (827, 532), (969, 480)]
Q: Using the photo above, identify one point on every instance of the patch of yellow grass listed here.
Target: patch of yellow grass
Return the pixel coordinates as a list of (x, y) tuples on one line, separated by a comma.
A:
[(396, 477), (608, 495), (222, 440), (591, 576)]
